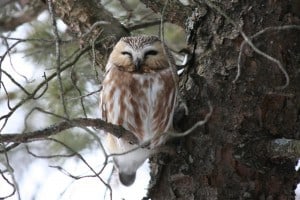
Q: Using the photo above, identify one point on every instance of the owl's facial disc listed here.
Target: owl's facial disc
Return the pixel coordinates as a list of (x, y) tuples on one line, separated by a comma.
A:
[(139, 56)]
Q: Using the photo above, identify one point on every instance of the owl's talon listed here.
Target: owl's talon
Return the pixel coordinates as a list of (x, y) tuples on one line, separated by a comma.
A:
[(186, 59)]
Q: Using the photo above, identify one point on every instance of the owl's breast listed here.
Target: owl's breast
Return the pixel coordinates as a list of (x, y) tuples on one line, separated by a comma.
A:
[(141, 103)]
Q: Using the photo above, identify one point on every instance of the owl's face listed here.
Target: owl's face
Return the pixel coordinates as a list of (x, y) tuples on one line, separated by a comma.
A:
[(142, 54)]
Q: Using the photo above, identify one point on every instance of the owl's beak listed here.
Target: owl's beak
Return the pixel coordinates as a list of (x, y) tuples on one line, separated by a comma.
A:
[(138, 64)]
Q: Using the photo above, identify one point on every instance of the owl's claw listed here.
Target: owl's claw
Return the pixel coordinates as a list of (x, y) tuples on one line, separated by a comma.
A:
[(186, 59)]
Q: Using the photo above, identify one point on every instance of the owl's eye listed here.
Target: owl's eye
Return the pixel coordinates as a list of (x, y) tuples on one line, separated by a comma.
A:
[(126, 53), (151, 53)]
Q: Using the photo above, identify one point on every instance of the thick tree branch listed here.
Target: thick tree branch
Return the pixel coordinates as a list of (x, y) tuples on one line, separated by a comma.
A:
[(116, 130), (175, 12), (27, 15), (81, 15)]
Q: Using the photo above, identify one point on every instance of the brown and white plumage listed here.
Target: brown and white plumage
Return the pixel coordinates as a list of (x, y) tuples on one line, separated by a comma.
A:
[(139, 93)]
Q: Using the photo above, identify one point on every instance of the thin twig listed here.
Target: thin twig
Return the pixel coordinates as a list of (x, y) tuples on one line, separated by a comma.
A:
[(83, 96), (11, 173), (15, 82), (44, 91), (74, 83), (9, 183), (7, 96), (57, 55), (4, 55), (196, 125), (48, 156), (12, 66)]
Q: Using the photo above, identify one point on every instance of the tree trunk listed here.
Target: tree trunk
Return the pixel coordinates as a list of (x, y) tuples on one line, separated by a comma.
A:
[(238, 154)]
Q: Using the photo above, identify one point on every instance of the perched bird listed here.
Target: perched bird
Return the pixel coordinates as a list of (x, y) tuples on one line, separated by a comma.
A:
[(139, 93)]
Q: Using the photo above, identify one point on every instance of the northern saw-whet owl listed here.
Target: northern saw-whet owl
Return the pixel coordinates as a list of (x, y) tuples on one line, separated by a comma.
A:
[(139, 93)]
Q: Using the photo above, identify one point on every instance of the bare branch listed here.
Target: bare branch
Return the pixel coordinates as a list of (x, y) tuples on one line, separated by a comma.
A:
[(26, 15), (15, 82), (57, 54), (11, 64), (74, 83), (48, 156), (9, 183), (4, 55), (86, 95), (117, 131), (196, 125), (10, 170)]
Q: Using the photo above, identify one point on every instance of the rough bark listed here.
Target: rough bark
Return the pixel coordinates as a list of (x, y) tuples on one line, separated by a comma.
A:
[(174, 11), (81, 15), (235, 155)]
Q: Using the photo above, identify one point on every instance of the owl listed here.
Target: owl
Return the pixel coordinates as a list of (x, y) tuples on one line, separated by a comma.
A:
[(139, 93)]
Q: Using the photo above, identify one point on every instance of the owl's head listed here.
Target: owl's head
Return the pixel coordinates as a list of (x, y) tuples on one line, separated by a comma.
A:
[(140, 54)]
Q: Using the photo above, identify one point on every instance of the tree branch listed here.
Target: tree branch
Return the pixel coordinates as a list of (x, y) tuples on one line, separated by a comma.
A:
[(27, 15), (175, 12), (81, 15), (116, 130), (58, 56)]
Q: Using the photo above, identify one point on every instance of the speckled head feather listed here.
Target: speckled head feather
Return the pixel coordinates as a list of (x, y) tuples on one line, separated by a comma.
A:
[(139, 42), (140, 54)]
